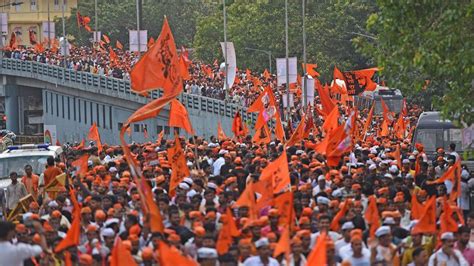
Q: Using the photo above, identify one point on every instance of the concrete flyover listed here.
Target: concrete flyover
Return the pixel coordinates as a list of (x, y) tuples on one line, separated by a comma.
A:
[(37, 96)]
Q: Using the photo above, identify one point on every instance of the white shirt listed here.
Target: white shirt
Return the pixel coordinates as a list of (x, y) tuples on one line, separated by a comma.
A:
[(217, 166), (339, 244), (441, 258), (362, 261), (14, 255), (346, 252), (256, 261)]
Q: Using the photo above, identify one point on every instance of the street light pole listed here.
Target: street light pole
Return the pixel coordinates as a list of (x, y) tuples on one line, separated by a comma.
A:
[(138, 26), (305, 79), (226, 86), (287, 63), (96, 22), (49, 27), (64, 35)]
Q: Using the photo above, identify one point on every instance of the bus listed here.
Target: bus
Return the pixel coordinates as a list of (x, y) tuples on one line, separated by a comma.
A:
[(392, 97)]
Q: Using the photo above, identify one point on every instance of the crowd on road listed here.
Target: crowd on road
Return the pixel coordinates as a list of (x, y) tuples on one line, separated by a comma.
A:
[(376, 207)]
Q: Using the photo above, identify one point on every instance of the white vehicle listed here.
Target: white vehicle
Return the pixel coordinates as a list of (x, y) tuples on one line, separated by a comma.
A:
[(16, 157)]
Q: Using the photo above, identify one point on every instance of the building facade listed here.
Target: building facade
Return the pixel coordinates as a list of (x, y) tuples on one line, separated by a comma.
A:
[(25, 16)]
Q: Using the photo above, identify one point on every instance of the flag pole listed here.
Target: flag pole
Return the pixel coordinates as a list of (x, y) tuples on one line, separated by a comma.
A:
[(287, 64), (226, 85), (64, 36), (305, 77)]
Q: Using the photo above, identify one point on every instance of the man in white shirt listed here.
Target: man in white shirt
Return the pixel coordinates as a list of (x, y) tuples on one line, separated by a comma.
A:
[(447, 254), (264, 255), (14, 255), (219, 163)]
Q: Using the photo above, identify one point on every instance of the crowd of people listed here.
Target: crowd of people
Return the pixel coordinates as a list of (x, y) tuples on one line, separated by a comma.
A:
[(333, 208), (205, 79)]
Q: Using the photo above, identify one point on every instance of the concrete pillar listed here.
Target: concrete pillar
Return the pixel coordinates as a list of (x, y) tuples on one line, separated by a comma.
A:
[(11, 108)]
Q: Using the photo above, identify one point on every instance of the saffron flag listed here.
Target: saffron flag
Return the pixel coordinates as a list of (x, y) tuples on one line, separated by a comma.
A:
[(74, 233), (121, 255), (357, 81), (106, 38), (81, 165), (32, 35), (318, 255), (183, 68), (178, 165), (416, 207), (150, 43), (331, 121), (298, 134), (335, 226), (266, 74), (326, 101), (448, 224), (94, 135), (179, 117), (284, 205), (154, 215), (427, 222), (228, 230), (118, 45), (310, 69), (372, 216), (368, 121), (170, 256), (247, 199), (262, 135), (113, 56), (158, 67), (13, 42), (220, 132), (283, 245), (160, 136), (238, 126)]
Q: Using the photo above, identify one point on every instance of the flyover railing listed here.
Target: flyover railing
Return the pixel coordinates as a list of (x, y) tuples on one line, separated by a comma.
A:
[(112, 86)]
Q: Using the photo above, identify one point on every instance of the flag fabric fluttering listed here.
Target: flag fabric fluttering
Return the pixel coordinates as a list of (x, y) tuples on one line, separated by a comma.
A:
[(310, 69), (427, 222), (228, 231), (357, 81), (81, 165), (94, 135), (179, 117), (238, 126), (326, 101), (178, 165), (318, 255), (372, 216), (73, 235), (121, 255), (220, 132)]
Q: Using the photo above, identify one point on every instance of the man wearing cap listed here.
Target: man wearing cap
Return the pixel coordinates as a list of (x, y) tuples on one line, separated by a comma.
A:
[(447, 254), (357, 254), (416, 241), (264, 255), (216, 166), (346, 236), (207, 256), (384, 252)]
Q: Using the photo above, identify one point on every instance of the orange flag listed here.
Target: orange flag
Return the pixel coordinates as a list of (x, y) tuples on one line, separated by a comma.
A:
[(160, 136), (183, 68), (220, 132), (266, 74), (284, 205), (74, 233), (448, 175), (247, 198), (248, 74), (82, 164), (80, 146), (448, 224), (397, 155), (372, 216), (400, 127), (278, 172), (310, 70), (179, 117), (427, 222), (283, 244), (298, 134), (318, 255), (238, 126), (456, 191), (151, 42), (155, 219), (229, 230), (357, 81), (416, 207), (113, 56), (121, 255), (335, 226), (118, 45), (106, 38), (178, 165), (262, 135), (158, 69), (94, 135), (332, 121), (170, 256), (368, 122), (384, 132)]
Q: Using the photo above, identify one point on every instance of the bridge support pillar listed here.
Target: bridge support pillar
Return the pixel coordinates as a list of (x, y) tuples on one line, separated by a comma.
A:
[(11, 108)]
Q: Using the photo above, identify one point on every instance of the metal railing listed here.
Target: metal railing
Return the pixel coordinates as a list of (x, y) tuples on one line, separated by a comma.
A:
[(112, 86)]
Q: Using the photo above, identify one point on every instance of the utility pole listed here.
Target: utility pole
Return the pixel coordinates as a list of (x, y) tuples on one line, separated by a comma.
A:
[(138, 25), (226, 85), (64, 35), (287, 64), (305, 77), (96, 22), (49, 27)]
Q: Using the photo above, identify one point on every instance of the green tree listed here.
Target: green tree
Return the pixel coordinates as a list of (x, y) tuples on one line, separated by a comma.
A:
[(426, 45)]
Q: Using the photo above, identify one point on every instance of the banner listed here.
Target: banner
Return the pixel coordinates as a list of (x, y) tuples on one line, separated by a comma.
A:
[(4, 22), (96, 36), (281, 70), (309, 90), (133, 40), (50, 134), (231, 63), (44, 29)]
